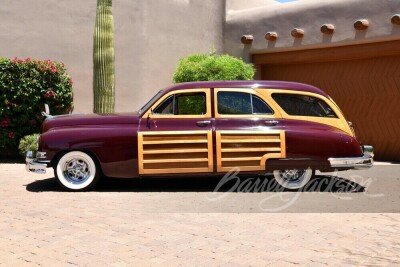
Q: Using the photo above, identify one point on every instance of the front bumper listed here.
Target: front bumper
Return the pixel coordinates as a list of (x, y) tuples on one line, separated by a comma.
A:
[(364, 162), (35, 165)]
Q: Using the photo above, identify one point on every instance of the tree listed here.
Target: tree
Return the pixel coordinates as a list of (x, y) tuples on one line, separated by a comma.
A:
[(212, 67), (103, 59)]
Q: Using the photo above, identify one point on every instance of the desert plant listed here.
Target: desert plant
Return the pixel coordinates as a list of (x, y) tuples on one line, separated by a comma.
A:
[(103, 59), (25, 86), (28, 143), (212, 67)]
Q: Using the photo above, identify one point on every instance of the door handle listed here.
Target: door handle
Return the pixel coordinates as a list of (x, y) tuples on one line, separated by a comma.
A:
[(202, 123), (272, 122)]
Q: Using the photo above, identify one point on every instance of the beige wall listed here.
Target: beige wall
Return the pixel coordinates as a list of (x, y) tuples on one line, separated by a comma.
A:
[(310, 15), (235, 5), (150, 37)]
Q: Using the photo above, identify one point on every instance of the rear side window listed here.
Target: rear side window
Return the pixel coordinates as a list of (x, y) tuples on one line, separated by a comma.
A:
[(238, 103), (303, 105)]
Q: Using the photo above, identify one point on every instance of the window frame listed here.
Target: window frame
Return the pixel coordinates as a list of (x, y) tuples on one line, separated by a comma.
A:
[(249, 91), (338, 115), (163, 98)]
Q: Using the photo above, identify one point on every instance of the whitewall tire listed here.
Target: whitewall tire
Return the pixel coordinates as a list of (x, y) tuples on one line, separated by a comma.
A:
[(293, 179), (76, 171)]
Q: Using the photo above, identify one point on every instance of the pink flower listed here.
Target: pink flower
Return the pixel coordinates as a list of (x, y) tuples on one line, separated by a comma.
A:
[(20, 61), (11, 135), (28, 60), (4, 123), (53, 69), (71, 81), (14, 60)]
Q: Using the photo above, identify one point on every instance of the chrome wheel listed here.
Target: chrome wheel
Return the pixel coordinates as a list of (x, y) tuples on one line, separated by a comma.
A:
[(293, 179), (76, 171)]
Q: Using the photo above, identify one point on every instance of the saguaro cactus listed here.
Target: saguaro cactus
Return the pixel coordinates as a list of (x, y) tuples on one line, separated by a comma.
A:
[(103, 59)]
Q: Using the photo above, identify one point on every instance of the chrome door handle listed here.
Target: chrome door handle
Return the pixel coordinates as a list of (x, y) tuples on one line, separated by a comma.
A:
[(272, 122), (202, 123)]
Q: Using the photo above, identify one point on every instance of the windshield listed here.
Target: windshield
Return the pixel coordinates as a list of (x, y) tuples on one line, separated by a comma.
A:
[(150, 102)]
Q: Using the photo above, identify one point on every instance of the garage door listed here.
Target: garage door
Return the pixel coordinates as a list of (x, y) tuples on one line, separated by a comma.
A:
[(364, 80)]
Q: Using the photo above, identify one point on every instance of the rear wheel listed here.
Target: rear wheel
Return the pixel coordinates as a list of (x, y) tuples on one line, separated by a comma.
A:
[(76, 171), (293, 179)]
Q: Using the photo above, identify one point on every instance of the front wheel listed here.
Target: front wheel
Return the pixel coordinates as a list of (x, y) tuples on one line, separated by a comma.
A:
[(76, 171), (293, 179)]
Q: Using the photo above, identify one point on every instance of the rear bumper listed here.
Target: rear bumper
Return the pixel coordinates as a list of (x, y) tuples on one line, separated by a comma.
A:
[(33, 165), (364, 162)]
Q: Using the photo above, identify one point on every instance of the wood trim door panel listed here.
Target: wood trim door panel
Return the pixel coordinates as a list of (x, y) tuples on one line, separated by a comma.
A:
[(248, 150), (163, 152)]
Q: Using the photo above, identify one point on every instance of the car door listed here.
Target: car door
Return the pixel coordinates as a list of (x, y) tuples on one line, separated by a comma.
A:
[(175, 134), (248, 130)]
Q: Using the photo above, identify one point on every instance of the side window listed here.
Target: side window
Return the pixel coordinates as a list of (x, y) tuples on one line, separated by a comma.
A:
[(260, 107), (183, 104), (166, 107), (239, 103), (303, 105)]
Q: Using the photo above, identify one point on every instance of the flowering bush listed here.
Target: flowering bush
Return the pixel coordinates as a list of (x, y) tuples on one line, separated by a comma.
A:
[(25, 86)]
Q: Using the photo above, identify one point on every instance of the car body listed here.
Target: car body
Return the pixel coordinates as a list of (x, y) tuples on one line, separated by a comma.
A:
[(205, 128)]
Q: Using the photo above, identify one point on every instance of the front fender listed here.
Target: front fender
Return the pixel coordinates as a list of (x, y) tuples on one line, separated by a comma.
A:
[(114, 146)]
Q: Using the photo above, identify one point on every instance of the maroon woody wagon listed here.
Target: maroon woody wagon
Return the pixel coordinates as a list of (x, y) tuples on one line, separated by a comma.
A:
[(203, 129)]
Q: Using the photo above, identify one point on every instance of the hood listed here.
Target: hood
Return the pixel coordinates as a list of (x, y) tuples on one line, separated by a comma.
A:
[(90, 119)]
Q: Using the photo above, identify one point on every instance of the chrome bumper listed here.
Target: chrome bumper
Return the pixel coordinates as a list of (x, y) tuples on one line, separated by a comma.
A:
[(33, 165), (364, 162)]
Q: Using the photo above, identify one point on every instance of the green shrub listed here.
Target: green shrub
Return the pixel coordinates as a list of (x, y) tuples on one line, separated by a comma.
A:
[(212, 67), (28, 143), (25, 86)]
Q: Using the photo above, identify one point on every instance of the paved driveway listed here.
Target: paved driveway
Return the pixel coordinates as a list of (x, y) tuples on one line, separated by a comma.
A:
[(352, 220)]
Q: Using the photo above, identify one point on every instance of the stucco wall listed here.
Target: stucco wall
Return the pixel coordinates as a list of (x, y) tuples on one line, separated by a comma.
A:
[(150, 37), (234, 5), (310, 15)]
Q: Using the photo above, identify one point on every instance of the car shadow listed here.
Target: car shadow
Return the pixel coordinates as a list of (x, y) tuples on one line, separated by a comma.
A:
[(321, 183)]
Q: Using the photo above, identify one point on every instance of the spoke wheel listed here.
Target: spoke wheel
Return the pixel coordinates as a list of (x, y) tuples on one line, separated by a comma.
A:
[(76, 171), (293, 179)]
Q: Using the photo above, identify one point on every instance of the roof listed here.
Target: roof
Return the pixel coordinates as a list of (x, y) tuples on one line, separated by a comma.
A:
[(250, 84)]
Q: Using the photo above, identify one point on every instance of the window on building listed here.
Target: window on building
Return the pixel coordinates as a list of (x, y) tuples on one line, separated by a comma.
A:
[(239, 103), (303, 105)]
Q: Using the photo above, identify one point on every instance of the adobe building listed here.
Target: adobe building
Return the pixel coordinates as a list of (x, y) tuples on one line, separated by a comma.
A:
[(349, 48)]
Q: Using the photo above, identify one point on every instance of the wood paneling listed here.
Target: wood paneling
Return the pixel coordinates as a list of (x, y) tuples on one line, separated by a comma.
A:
[(238, 149), (175, 152), (367, 90)]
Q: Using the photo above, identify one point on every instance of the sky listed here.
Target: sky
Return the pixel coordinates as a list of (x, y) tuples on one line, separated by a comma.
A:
[(284, 1)]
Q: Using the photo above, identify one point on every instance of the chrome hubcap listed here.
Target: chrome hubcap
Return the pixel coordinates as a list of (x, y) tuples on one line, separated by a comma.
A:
[(76, 171), (292, 175)]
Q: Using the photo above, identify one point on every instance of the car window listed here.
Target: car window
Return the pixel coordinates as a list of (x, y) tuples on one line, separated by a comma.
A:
[(303, 105), (239, 103), (183, 104)]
